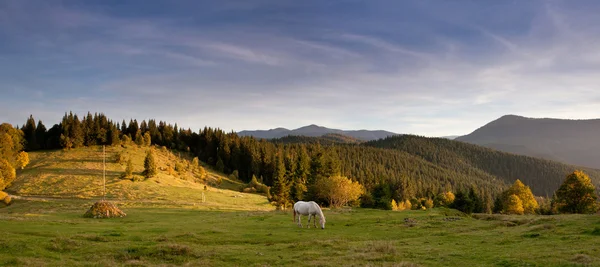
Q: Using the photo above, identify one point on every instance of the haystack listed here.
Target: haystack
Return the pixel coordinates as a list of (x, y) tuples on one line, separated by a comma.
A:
[(104, 209)]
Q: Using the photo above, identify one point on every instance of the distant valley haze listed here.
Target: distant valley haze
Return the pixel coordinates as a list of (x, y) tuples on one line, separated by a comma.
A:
[(430, 68)]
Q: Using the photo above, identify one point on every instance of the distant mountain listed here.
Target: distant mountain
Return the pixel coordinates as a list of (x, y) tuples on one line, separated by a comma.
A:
[(451, 137), (317, 131), (571, 141)]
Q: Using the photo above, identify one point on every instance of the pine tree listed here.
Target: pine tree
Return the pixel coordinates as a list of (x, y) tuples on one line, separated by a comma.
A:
[(150, 169), (113, 136), (40, 135), (302, 171), (577, 194), (129, 170), (281, 187), (147, 139), (139, 140), (30, 136)]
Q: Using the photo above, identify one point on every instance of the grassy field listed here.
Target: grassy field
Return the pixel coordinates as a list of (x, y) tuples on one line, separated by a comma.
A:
[(53, 233), (167, 223), (77, 173)]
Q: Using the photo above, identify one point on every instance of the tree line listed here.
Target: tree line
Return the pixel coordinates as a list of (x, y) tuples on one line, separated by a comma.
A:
[(396, 169)]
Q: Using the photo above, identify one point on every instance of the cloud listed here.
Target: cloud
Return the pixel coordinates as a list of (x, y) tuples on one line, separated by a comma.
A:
[(442, 70)]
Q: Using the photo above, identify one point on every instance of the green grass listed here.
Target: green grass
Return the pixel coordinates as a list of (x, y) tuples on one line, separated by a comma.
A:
[(77, 173), (168, 224), (53, 233)]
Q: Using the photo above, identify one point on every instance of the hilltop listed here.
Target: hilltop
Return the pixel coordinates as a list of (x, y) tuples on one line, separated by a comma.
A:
[(77, 173), (571, 141)]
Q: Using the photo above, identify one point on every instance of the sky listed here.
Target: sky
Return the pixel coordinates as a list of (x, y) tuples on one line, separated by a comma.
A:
[(431, 68)]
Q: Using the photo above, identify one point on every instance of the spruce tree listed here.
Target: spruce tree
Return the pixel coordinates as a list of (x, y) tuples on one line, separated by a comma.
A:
[(30, 136), (40, 135), (150, 169), (281, 187), (129, 169)]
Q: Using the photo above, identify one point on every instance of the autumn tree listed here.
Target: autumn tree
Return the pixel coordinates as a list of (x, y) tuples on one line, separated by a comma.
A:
[(577, 194), (514, 205), (150, 169), (7, 174), (338, 190), (445, 199), (22, 159), (526, 199)]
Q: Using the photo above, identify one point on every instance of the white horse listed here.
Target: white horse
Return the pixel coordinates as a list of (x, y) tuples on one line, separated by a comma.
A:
[(311, 209)]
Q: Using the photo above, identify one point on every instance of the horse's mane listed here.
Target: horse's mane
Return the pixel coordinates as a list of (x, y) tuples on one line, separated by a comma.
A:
[(319, 210)]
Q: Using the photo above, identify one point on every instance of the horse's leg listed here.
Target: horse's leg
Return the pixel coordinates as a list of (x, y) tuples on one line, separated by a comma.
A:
[(299, 222), (315, 221), (308, 224)]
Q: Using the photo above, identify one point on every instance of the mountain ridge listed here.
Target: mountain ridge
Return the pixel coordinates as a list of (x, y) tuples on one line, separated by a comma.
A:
[(570, 141), (314, 130)]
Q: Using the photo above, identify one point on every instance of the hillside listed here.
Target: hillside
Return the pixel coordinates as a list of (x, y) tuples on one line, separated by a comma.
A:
[(317, 131), (574, 142), (77, 173), (543, 176), (327, 139)]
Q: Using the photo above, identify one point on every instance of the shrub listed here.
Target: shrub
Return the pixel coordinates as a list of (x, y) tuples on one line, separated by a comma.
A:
[(428, 203), (5, 198)]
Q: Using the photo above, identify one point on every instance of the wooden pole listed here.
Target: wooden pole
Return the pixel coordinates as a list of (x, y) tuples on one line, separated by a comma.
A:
[(103, 172)]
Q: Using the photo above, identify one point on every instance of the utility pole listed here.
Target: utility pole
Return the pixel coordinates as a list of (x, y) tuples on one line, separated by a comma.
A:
[(103, 172)]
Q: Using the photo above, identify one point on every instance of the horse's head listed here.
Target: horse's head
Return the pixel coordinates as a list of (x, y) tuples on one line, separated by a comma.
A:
[(322, 222)]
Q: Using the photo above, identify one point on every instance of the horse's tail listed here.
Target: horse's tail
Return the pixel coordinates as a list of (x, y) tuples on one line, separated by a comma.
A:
[(294, 215)]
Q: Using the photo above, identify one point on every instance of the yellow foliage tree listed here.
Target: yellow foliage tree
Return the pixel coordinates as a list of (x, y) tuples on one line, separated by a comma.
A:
[(577, 194), (22, 159), (338, 190), (445, 199), (514, 205), (523, 192), (5, 198), (394, 205), (7, 174)]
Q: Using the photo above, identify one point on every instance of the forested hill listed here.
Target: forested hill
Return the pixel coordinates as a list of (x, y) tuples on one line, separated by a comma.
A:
[(327, 139), (569, 141), (543, 176)]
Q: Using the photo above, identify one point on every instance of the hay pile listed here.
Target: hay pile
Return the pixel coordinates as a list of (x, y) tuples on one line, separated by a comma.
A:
[(104, 209)]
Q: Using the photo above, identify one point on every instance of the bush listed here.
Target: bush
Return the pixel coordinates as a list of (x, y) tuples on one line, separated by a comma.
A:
[(5, 198)]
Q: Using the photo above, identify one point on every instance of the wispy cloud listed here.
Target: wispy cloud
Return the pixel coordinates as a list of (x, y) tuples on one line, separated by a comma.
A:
[(435, 70)]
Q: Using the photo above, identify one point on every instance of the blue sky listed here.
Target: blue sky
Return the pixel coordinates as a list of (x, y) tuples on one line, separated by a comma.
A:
[(424, 67)]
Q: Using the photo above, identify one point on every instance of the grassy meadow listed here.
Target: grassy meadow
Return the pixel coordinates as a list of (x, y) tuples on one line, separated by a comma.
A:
[(168, 224), (53, 233)]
